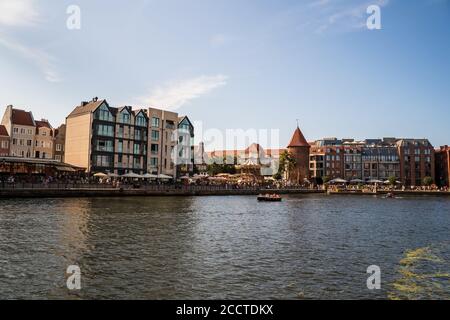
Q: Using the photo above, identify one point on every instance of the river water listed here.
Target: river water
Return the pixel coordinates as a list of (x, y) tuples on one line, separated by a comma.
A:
[(305, 247)]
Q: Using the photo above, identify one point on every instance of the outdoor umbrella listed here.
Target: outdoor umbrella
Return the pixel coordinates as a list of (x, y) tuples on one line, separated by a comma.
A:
[(112, 175), (356, 181), (150, 176), (164, 176), (338, 180), (100, 175), (374, 181)]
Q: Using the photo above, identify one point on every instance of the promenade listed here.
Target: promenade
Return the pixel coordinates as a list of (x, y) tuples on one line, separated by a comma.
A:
[(56, 190)]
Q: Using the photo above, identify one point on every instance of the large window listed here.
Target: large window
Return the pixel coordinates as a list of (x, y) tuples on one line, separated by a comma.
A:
[(105, 130), (154, 148), (102, 161), (154, 162), (104, 145), (136, 148), (104, 114), (141, 121)]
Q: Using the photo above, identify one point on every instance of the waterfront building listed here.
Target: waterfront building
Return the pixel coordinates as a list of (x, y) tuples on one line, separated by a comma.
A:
[(443, 166), (162, 141), (299, 149), (43, 147), (380, 159), (21, 128), (417, 161), (4, 141), (59, 143), (30, 169), (101, 138), (185, 147)]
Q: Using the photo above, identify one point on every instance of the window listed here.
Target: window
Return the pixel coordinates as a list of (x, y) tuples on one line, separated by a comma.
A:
[(103, 114), (120, 147), (102, 161), (155, 135), (155, 122), (154, 162), (4, 144), (16, 130), (58, 147), (137, 134), (124, 117), (57, 157), (30, 132), (154, 148), (21, 142), (140, 121), (14, 141), (105, 146), (44, 133), (22, 131), (105, 130), (136, 148)]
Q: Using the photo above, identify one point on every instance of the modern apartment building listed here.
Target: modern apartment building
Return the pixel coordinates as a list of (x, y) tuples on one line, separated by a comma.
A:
[(102, 138), (43, 146), (4, 141), (21, 128), (59, 143), (185, 147), (443, 166)]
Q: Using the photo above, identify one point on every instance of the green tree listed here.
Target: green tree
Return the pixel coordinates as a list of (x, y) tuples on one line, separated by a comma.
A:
[(392, 180), (326, 179), (428, 181), (287, 162)]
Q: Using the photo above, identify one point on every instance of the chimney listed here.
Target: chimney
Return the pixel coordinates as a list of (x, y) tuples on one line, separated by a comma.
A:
[(83, 103)]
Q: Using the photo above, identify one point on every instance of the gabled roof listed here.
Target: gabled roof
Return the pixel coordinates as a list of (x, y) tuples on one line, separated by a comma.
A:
[(182, 118), (87, 108), (22, 117), (298, 140), (3, 131)]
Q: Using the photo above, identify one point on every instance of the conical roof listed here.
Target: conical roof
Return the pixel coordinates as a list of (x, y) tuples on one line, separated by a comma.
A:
[(298, 140)]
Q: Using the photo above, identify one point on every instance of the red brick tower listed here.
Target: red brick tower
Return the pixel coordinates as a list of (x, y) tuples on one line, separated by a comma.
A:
[(299, 150)]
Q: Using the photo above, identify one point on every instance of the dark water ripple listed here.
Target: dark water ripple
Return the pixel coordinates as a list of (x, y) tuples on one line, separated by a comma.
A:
[(305, 247)]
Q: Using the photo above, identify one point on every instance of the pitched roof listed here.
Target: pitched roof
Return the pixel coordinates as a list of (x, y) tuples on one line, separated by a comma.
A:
[(22, 117), (43, 123), (86, 108), (3, 131), (298, 140)]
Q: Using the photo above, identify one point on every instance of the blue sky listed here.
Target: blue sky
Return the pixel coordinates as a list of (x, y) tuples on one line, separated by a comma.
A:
[(238, 64)]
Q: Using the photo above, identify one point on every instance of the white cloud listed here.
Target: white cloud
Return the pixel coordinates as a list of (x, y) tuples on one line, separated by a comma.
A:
[(18, 13), (41, 59), (175, 94), (23, 13)]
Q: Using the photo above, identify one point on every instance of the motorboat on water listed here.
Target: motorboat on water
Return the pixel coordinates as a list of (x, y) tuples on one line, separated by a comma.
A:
[(269, 197)]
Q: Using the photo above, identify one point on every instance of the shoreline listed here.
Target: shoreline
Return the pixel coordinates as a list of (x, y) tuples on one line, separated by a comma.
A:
[(95, 192)]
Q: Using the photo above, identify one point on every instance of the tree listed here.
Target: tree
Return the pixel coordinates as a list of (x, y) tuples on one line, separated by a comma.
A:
[(287, 163), (428, 181), (392, 180), (326, 179)]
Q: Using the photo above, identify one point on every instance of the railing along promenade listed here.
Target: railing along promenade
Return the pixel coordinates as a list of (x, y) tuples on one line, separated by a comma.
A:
[(60, 189)]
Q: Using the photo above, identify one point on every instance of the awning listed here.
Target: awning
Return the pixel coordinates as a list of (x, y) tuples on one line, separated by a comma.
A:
[(65, 169)]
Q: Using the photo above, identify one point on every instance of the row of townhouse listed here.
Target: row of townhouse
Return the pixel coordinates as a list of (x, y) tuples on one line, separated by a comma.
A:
[(408, 160), (23, 136), (122, 140)]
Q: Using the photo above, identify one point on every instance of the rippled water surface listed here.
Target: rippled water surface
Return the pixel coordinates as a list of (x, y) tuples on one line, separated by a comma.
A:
[(308, 246)]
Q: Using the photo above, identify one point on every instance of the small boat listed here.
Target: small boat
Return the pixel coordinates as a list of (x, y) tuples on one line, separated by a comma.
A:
[(390, 195), (269, 197)]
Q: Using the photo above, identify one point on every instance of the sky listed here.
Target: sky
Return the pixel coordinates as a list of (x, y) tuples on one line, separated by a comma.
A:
[(232, 64)]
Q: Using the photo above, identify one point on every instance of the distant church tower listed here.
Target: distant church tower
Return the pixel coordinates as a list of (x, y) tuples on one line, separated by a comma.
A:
[(299, 150)]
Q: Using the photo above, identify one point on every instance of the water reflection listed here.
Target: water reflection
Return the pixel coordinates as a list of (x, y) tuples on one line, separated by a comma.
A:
[(215, 247)]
